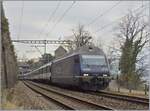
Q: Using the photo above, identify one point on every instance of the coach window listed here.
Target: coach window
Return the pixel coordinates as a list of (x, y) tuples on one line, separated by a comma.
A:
[(47, 69), (44, 69), (37, 72), (41, 70)]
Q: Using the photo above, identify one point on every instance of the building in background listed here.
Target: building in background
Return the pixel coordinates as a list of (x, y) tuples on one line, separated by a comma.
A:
[(60, 51), (23, 68)]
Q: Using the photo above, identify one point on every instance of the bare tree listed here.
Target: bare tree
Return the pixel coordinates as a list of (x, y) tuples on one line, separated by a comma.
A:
[(80, 38), (133, 36), (114, 54)]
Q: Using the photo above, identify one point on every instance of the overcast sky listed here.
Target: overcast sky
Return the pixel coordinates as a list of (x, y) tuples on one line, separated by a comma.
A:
[(27, 20)]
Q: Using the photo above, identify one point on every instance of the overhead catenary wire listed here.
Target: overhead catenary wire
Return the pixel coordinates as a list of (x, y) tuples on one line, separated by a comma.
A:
[(63, 15), (107, 11), (37, 49), (143, 7), (50, 17), (21, 20), (110, 24), (115, 21)]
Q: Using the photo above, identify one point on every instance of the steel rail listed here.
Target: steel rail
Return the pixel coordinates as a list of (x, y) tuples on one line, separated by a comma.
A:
[(48, 97), (82, 100), (134, 99)]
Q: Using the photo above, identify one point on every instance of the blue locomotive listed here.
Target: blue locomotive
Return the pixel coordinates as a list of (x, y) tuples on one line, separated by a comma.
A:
[(86, 68)]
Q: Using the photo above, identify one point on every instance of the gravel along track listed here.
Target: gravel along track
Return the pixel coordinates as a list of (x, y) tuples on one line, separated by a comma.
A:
[(140, 100), (112, 103), (70, 102), (47, 97)]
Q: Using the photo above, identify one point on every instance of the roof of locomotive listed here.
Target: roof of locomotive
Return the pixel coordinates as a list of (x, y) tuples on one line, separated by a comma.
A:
[(82, 50), (89, 49)]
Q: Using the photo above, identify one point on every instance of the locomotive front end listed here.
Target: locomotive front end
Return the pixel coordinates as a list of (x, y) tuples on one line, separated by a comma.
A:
[(95, 72)]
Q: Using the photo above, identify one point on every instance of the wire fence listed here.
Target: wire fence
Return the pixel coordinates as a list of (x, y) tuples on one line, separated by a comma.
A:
[(143, 89)]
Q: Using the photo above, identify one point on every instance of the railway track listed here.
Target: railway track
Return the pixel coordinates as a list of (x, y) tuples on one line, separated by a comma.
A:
[(66, 107), (68, 101), (140, 100), (97, 97)]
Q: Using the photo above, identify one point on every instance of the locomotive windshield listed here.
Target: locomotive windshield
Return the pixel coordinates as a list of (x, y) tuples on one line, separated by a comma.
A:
[(93, 60)]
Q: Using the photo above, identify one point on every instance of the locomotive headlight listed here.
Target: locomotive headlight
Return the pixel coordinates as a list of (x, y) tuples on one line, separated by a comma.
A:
[(104, 75), (85, 74)]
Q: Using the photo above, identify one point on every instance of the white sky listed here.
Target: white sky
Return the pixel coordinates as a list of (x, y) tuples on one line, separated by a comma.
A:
[(36, 14)]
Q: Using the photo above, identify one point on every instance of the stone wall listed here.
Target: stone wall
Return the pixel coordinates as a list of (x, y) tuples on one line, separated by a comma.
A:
[(9, 68)]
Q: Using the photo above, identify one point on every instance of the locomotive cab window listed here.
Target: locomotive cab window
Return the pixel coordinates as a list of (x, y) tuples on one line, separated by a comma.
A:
[(93, 60)]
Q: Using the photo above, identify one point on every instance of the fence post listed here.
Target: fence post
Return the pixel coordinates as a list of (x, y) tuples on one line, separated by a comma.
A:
[(145, 89), (130, 90), (118, 88), (130, 86), (118, 83)]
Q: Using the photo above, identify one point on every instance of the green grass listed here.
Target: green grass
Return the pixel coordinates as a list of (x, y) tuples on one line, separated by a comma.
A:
[(7, 102)]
